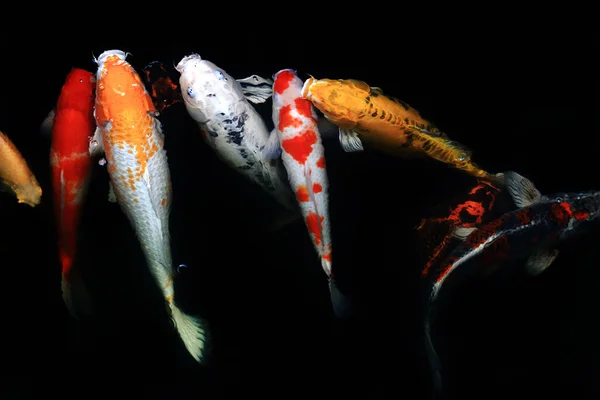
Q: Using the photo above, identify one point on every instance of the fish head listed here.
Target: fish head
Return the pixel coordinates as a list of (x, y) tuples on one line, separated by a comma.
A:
[(78, 89), (108, 58), (337, 98), (287, 86), (206, 89), (30, 193)]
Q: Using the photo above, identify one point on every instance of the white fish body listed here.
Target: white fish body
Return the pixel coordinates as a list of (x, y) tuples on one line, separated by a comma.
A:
[(231, 125)]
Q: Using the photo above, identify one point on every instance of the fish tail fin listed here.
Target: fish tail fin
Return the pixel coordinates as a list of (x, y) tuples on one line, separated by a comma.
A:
[(75, 294), (193, 332), (342, 307), (434, 364)]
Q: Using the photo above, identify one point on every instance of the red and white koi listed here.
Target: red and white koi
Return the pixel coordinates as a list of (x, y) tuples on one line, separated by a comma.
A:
[(297, 140)]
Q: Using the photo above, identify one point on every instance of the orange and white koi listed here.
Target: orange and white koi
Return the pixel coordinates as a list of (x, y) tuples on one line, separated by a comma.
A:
[(365, 113), (131, 137), (72, 126), (16, 175), (297, 140)]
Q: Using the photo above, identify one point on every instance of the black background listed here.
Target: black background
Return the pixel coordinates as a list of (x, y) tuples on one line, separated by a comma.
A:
[(522, 96)]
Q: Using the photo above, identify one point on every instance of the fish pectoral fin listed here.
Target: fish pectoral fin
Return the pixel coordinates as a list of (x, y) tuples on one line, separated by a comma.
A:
[(47, 123), (350, 140), (522, 190), (539, 260), (96, 146), (256, 88), (111, 193), (461, 232), (272, 149)]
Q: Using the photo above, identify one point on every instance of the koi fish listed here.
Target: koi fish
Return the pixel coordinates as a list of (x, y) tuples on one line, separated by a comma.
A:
[(296, 139), (72, 125), (15, 174), (481, 204), (532, 232), (131, 137), (230, 124), (365, 113), (163, 90)]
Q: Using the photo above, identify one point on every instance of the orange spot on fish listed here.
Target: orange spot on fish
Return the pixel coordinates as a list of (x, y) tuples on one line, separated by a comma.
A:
[(169, 282), (302, 194), (286, 119), (313, 223), (163, 202), (170, 298), (300, 147), (317, 188), (135, 201), (282, 82), (321, 162), (304, 107)]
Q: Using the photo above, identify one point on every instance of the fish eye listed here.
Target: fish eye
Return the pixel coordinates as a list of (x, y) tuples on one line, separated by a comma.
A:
[(190, 92)]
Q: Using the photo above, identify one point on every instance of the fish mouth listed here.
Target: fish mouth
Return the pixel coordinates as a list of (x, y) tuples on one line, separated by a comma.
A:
[(306, 88)]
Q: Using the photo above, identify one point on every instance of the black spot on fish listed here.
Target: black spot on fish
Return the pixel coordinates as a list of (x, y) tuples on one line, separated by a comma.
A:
[(374, 94), (212, 133), (389, 117), (370, 106), (406, 121), (382, 114), (374, 114), (235, 129), (368, 100)]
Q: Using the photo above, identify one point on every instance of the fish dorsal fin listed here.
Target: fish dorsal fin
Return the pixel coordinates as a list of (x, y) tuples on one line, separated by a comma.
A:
[(46, 127), (461, 233), (256, 88), (522, 190)]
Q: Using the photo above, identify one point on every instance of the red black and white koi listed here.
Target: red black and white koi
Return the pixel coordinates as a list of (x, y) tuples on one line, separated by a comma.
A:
[(532, 232), (296, 139), (231, 125)]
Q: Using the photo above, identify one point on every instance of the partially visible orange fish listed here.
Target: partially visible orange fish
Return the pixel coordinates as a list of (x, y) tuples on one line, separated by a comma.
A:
[(365, 113), (163, 90), (72, 125), (16, 175)]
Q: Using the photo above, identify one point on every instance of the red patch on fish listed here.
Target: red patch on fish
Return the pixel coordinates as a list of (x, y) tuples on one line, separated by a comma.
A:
[(313, 223), (286, 119), (300, 146), (317, 188), (523, 216), (321, 162), (579, 215), (282, 82), (302, 194), (304, 107), (561, 213)]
